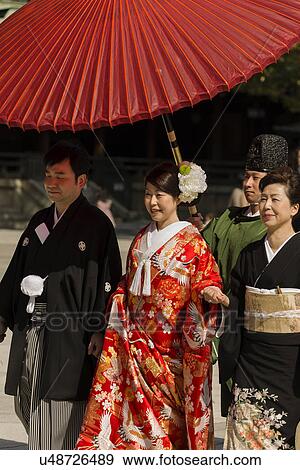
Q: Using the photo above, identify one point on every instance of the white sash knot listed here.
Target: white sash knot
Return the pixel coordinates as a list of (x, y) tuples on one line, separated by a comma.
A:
[(144, 264), (150, 242), (33, 286)]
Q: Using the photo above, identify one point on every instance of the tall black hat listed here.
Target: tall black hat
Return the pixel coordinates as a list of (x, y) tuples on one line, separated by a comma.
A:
[(267, 152)]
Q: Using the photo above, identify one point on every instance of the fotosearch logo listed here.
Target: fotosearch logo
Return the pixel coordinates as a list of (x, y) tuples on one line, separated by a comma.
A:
[(229, 323), (73, 321)]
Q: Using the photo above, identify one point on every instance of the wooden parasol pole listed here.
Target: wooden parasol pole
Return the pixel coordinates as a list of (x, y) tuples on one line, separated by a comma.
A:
[(178, 158)]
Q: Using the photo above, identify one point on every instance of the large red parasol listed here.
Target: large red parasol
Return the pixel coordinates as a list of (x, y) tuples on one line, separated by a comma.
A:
[(83, 64)]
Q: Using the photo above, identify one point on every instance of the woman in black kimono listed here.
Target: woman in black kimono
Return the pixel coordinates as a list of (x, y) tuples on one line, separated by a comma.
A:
[(261, 345)]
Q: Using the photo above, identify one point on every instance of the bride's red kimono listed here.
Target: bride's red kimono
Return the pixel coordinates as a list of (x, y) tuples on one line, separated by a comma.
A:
[(152, 387)]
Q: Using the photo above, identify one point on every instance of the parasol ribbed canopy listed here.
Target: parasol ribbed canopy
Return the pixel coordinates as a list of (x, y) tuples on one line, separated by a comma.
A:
[(83, 64)]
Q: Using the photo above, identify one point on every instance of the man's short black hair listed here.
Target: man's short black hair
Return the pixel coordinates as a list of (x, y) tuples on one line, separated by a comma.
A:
[(75, 153)]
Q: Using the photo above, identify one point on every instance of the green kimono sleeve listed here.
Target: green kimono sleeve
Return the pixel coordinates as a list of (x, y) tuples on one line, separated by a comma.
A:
[(209, 235)]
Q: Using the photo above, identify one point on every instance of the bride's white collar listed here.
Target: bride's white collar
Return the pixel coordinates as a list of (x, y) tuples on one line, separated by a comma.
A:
[(151, 241)]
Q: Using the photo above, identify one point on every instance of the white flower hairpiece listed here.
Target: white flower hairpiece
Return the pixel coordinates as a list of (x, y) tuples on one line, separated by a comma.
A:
[(192, 181)]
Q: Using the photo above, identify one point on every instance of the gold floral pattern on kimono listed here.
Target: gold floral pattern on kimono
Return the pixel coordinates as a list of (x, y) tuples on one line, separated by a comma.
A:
[(152, 387), (252, 421)]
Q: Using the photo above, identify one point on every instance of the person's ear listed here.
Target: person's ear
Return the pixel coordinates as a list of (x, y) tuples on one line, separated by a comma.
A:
[(82, 180), (295, 209)]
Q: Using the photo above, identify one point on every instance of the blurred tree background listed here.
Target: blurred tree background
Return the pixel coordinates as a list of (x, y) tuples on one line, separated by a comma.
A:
[(280, 82)]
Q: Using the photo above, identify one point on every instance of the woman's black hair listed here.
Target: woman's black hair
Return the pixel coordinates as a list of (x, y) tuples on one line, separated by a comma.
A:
[(165, 177), (287, 178)]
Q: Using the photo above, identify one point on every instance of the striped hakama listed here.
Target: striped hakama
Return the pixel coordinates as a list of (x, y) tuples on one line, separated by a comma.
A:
[(50, 424)]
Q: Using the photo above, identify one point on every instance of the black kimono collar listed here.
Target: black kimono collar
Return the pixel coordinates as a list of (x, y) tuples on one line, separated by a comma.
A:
[(44, 255), (282, 261), (67, 214)]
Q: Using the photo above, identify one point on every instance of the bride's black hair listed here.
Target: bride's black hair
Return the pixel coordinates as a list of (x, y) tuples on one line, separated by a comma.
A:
[(164, 177)]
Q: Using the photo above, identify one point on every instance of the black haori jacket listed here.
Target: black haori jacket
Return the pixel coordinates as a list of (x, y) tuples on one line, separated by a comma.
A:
[(82, 261)]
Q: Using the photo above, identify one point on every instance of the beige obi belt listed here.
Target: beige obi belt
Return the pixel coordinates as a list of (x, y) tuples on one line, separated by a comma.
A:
[(272, 311)]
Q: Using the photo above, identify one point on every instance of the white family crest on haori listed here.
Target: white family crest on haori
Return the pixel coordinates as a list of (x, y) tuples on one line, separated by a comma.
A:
[(25, 241), (82, 246)]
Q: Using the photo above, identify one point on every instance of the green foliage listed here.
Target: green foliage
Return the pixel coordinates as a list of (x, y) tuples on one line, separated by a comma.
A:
[(280, 82)]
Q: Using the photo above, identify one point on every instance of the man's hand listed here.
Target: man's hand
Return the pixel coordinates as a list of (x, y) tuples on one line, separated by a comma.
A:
[(214, 295), (96, 343)]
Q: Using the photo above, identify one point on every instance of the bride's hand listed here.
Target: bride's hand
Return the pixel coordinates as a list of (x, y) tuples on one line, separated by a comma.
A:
[(214, 295)]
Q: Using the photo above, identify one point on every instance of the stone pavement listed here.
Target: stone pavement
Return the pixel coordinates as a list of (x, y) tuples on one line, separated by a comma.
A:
[(12, 433)]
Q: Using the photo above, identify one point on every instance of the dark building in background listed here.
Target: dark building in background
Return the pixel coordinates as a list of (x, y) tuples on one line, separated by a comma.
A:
[(216, 133)]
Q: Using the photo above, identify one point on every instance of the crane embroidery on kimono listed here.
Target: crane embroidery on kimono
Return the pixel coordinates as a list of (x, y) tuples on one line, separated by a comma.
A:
[(202, 422), (156, 430), (169, 414), (174, 268), (113, 373), (114, 320), (130, 432), (102, 441), (198, 333)]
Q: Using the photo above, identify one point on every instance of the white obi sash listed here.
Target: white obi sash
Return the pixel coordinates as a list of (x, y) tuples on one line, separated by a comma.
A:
[(272, 311)]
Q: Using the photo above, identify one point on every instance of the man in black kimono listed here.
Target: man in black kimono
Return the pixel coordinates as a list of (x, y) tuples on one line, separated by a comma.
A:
[(53, 297)]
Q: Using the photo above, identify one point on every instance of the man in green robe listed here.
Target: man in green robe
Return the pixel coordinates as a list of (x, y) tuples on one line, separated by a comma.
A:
[(237, 227)]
